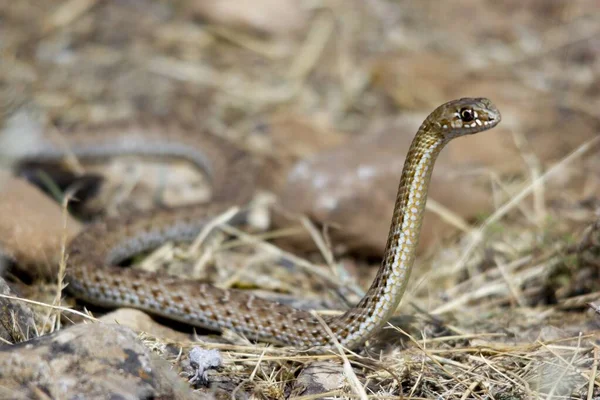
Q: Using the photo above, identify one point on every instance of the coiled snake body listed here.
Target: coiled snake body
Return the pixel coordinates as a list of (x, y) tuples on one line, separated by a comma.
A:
[(92, 276)]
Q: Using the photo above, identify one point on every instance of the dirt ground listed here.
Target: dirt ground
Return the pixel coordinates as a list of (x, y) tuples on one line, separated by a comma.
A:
[(503, 305)]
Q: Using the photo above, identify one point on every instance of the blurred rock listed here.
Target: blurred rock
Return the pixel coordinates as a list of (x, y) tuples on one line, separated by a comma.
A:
[(415, 80), (32, 227), (272, 17), (353, 187), (422, 81), (87, 361), (142, 322), (287, 138)]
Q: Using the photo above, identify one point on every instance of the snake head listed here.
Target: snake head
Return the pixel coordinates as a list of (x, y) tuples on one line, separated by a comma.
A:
[(465, 116)]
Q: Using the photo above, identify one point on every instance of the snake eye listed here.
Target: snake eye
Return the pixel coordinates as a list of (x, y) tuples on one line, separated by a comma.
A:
[(467, 114)]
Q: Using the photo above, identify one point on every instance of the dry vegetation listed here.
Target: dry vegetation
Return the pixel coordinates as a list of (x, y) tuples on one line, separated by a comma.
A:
[(499, 311)]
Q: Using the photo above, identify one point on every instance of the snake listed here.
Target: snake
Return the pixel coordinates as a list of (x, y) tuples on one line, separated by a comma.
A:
[(94, 276)]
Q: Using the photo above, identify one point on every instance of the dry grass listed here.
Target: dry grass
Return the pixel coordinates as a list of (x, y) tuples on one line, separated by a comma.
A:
[(500, 312)]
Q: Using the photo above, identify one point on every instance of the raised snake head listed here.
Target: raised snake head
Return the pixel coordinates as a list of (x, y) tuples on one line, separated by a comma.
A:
[(464, 117)]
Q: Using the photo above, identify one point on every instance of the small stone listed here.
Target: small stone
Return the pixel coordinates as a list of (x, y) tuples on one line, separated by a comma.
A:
[(319, 377), (202, 360)]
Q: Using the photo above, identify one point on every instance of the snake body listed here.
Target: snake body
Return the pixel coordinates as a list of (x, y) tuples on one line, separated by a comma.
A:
[(93, 277)]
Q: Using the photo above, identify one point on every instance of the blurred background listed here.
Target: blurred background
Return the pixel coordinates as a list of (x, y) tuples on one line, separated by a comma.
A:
[(326, 95)]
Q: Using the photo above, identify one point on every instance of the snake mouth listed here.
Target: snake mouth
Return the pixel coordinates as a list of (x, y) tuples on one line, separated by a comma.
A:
[(493, 121), (479, 126), (493, 118)]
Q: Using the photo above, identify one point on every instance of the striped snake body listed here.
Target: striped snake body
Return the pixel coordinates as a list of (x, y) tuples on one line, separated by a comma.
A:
[(93, 277)]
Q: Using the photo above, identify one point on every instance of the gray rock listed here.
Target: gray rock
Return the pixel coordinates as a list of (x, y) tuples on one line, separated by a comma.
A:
[(16, 319), (91, 361), (319, 377)]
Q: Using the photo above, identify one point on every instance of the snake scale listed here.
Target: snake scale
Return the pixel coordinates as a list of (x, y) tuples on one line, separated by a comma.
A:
[(93, 276)]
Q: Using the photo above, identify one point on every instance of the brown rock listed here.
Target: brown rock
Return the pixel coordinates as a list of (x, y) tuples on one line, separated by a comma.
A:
[(33, 227), (288, 138), (87, 361), (353, 188), (415, 80), (422, 81)]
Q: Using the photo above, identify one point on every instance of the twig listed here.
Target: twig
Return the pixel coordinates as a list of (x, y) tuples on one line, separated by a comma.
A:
[(590, 392), (39, 303)]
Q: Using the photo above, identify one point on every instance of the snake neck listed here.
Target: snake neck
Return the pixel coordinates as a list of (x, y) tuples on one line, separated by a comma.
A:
[(383, 297)]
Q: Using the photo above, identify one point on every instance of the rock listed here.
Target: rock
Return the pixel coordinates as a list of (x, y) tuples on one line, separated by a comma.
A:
[(319, 377), (87, 361), (32, 227), (142, 322), (415, 80), (287, 138), (16, 319), (353, 188), (273, 17)]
